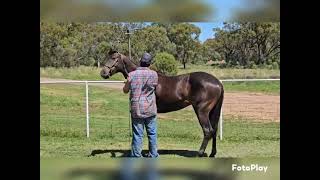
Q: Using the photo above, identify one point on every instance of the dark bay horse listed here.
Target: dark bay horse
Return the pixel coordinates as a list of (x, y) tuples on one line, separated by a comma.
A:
[(199, 89)]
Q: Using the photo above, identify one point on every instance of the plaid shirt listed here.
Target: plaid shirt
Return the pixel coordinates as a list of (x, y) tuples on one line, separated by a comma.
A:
[(142, 92)]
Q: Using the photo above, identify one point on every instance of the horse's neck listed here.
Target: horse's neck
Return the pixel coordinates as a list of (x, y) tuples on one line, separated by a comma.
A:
[(130, 66), (160, 74)]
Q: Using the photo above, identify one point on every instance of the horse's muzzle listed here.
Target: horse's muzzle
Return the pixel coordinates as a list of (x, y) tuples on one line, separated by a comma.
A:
[(104, 75)]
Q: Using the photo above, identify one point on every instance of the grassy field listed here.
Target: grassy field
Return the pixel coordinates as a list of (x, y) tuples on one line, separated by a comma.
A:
[(232, 73), (63, 126), (266, 87), (52, 169), (270, 87), (76, 73), (92, 73)]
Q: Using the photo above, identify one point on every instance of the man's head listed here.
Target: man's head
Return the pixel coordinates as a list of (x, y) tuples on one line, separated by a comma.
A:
[(146, 60)]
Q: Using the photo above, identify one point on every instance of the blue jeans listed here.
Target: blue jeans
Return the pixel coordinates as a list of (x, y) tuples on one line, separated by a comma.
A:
[(137, 138), (147, 171)]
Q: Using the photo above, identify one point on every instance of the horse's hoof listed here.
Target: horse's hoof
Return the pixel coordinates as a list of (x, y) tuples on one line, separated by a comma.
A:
[(212, 155), (202, 155)]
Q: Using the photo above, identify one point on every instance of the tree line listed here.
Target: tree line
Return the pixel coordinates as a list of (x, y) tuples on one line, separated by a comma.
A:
[(239, 45)]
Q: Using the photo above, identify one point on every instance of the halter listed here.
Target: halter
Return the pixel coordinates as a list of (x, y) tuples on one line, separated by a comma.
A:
[(115, 64)]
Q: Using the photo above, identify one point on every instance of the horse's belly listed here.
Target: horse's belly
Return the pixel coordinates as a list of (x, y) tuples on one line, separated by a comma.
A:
[(169, 107)]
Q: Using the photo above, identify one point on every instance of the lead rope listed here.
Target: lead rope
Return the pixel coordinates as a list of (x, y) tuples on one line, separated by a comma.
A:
[(125, 68), (130, 131)]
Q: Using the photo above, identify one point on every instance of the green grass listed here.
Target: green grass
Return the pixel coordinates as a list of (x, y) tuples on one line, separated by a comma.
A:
[(63, 127), (93, 73), (231, 73), (76, 73), (266, 87), (270, 87), (52, 169)]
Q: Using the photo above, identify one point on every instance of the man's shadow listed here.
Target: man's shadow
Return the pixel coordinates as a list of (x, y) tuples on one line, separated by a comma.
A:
[(126, 153)]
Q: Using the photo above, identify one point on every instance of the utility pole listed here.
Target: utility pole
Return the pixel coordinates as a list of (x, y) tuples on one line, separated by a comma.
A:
[(129, 46)]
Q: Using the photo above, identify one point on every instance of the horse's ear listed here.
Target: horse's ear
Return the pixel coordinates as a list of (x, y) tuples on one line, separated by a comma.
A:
[(111, 51)]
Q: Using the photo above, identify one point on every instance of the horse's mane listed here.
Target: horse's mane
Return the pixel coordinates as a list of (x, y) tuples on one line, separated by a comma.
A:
[(159, 72), (127, 58)]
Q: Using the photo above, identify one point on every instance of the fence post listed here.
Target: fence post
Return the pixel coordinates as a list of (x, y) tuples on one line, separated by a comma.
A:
[(87, 107), (220, 123)]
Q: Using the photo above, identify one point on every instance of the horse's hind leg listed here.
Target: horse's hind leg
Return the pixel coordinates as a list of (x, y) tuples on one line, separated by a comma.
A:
[(214, 119), (203, 116), (214, 142)]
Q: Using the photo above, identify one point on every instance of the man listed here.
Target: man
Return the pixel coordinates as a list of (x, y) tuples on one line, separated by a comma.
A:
[(141, 83)]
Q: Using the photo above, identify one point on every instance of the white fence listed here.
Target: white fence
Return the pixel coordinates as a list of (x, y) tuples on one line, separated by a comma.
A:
[(87, 94), (110, 82)]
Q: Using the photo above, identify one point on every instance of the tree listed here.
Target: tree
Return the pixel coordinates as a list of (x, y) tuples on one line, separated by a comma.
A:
[(268, 11), (239, 44), (152, 39), (184, 36), (51, 50), (248, 44), (209, 50)]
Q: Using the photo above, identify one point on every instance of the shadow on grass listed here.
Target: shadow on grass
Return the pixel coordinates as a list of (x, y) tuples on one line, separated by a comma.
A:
[(126, 153), (146, 174)]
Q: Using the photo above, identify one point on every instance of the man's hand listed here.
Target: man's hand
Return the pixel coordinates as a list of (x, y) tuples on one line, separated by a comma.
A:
[(126, 87)]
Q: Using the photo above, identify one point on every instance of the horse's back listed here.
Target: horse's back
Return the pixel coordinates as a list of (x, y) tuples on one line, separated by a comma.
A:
[(203, 76), (203, 79), (204, 86)]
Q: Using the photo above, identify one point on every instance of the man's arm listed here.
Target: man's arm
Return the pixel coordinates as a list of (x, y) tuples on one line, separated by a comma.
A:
[(126, 87)]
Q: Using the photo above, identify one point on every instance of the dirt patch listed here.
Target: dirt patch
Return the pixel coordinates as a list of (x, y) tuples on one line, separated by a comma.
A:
[(252, 106), (238, 105)]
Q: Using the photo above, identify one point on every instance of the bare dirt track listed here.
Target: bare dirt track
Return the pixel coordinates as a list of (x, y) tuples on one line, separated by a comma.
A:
[(253, 106), (238, 105)]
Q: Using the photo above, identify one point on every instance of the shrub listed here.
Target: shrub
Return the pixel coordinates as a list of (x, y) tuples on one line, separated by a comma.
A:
[(165, 63)]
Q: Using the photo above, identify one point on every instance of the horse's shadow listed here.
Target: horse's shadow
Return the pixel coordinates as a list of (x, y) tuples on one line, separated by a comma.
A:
[(126, 153)]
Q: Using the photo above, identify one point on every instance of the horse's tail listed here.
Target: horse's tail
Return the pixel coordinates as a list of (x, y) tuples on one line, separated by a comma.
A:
[(215, 113)]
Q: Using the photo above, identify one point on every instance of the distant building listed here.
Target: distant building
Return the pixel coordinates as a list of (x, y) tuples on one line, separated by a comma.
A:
[(213, 63)]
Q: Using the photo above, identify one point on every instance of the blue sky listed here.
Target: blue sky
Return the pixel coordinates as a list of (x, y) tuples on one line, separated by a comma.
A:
[(224, 9), (223, 12), (206, 29)]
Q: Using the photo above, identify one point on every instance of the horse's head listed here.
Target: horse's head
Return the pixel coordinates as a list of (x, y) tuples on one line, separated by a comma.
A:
[(114, 64)]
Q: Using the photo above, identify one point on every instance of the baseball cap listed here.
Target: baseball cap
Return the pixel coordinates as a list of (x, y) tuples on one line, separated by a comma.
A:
[(146, 58)]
